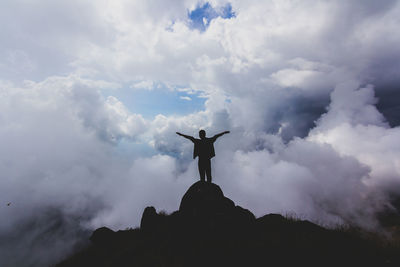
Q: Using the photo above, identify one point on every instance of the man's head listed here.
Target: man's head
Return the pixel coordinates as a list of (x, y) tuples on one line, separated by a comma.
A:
[(202, 134)]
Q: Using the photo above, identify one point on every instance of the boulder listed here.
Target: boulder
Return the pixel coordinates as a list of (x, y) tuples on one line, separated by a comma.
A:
[(205, 204), (103, 236), (149, 219)]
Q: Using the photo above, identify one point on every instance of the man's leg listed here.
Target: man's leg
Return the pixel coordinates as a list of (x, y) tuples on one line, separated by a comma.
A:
[(202, 171), (208, 170)]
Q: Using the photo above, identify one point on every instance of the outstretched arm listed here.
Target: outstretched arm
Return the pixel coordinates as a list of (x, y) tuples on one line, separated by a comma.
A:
[(220, 134), (191, 138)]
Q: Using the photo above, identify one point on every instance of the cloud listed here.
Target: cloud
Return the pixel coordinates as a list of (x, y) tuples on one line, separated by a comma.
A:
[(185, 98), (308, 91), (149, 85), (354, 127)]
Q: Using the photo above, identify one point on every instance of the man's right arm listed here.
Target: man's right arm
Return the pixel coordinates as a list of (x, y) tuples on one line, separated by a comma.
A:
[(191, 138)]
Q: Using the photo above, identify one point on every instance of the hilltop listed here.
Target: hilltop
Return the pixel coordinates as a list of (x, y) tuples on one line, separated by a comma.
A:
[(210, 230)]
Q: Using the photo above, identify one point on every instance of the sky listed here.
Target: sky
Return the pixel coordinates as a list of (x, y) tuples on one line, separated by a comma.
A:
[(92, 93)]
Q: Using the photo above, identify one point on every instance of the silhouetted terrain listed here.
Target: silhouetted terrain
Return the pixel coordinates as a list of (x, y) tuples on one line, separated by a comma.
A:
[(209, 230)]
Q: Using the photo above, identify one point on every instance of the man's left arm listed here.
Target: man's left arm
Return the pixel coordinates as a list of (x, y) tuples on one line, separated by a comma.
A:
[(219, 135)]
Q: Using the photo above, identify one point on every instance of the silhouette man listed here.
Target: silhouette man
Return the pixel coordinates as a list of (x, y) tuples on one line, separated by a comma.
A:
[(204, 149)]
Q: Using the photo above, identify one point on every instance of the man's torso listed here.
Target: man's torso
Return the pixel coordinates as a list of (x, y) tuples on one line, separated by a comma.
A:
[(204, 148)]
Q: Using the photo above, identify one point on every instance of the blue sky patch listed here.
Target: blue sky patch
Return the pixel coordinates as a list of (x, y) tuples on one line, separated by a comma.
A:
[(202, 15), (159, 100)]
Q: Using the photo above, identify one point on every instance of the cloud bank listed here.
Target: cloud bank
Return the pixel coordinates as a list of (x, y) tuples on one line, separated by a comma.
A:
[(308, 91)]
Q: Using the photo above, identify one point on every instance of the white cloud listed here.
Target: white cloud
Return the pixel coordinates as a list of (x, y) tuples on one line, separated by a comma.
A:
[(185, 98), (149, 85), (280, 64), (354, 127)]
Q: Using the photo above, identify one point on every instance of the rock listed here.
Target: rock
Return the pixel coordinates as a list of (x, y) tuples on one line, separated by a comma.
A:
[(243, 216), (103, 236), (149, 219), (209, 230), (272, 220), (204, 204), (203, 197)]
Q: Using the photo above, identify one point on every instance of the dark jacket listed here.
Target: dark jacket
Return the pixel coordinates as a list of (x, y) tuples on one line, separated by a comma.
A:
[(204, 148)]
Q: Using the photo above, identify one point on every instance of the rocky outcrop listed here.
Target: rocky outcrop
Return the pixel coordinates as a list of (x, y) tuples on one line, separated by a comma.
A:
[(204, 206), (210, 230), (102, 236)]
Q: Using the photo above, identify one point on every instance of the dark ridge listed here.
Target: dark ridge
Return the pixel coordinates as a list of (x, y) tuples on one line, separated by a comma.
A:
[(209, 230)]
